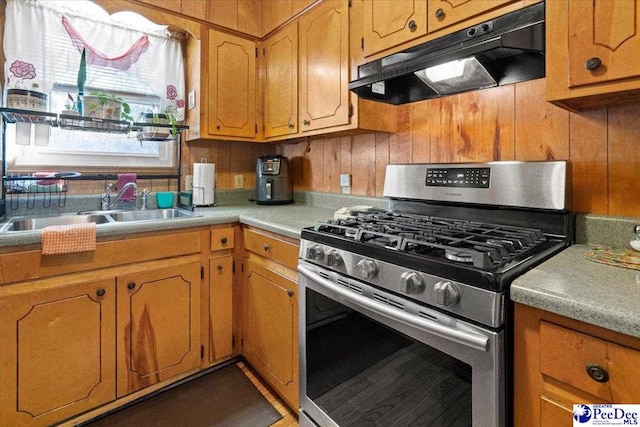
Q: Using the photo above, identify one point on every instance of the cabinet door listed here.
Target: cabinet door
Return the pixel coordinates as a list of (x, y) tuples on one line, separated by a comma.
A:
[(443, 13), (324, 63), (388, 23), (57, 352), (220, 308), (232, 86), (193, 8), (276, 13), (271, 337), (281, 83), (158, 325), (603, 41)]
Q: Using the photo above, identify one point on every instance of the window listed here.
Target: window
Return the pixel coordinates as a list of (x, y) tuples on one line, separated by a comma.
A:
[(127, 55)]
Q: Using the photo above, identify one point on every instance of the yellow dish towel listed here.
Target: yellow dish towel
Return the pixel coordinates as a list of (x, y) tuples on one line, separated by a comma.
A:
[(67, 239)]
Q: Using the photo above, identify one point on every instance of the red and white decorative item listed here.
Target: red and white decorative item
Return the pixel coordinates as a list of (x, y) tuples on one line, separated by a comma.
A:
[(18, 96)]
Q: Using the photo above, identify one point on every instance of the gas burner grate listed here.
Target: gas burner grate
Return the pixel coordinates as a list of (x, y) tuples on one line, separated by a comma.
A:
[(483, 245)]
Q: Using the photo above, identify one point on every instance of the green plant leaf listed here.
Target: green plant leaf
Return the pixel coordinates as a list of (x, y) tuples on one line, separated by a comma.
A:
[(82, 72)]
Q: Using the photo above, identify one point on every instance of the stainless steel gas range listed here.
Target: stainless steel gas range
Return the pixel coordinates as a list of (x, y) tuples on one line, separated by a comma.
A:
[(405, 317)]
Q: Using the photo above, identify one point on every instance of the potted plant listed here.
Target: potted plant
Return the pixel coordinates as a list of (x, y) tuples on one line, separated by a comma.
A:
[(71, 107), (159, 132), (106, 105)]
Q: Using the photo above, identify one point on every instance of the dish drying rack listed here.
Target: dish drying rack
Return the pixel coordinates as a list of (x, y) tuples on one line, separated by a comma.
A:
[(48, 187)]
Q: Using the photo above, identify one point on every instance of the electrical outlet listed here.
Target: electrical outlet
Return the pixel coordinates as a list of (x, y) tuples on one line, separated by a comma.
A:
[(188, 182), (238, 181), (345, 183)]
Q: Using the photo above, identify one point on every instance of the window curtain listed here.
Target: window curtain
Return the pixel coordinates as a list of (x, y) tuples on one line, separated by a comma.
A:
[(43, 49)]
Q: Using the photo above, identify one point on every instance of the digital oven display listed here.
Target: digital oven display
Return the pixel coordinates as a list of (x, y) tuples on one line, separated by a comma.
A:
[(458, 177)]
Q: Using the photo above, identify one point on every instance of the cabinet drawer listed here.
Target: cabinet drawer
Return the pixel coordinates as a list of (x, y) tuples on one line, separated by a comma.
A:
[(569, 354), (222, 238), (278, 250)]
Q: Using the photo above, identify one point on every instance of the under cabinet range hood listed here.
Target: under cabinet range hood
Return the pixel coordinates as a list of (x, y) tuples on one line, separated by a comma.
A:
[(504, 50)]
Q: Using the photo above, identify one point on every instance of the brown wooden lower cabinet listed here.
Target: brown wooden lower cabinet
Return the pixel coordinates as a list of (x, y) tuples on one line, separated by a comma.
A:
[(80, 342), (271, 329), (158, 325), (220, 308), (560, 362), (57, 351), (66, 342)]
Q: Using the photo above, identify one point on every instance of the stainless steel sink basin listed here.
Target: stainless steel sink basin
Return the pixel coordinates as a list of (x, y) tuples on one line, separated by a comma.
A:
[(152, 214), (28, 223)]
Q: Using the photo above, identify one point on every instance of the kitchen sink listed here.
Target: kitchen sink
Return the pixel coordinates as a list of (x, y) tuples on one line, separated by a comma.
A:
[(152, 214), (30, 223)]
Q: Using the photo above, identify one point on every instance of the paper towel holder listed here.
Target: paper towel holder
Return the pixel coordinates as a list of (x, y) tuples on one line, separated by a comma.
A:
[(203, 195)]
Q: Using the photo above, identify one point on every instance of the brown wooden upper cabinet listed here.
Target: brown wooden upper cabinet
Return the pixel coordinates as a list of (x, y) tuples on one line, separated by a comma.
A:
[(281, 82), (324, 66), (239, 15), (444, 13), (276, 13), (231, 106), (388, 23), (602, 42)]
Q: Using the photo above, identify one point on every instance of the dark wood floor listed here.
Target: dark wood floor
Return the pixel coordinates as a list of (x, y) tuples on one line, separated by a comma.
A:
[(289, 418)]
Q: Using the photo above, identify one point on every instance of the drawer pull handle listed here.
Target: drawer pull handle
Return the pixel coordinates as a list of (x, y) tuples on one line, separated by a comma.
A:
[(593, 64), (440, 14), (100, 292), (289, 292), (219, 268), (412, 26), (306, 122), (598, 373), (223, 240), (265, 247), (131, 285)]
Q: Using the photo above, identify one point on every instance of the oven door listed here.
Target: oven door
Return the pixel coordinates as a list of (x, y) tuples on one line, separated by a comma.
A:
[(370, 358)]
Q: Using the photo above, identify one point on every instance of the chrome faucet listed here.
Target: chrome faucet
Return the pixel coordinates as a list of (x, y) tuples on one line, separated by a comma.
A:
[(143, 199), (105, 198)]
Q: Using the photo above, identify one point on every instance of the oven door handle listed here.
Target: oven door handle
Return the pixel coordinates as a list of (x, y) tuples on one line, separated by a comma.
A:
[(460, 336)]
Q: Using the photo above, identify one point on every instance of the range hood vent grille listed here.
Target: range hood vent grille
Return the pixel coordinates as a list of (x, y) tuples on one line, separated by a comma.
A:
[(505, 50)]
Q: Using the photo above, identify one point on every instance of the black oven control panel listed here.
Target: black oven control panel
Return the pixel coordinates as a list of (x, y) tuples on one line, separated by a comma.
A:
[(458, 177)]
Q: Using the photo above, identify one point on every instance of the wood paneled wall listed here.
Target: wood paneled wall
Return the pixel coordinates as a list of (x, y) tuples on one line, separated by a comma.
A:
[(513, 122), (230, 158)]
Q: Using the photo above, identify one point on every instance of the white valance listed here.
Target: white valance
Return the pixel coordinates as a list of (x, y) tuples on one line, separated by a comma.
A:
[(41, 51)]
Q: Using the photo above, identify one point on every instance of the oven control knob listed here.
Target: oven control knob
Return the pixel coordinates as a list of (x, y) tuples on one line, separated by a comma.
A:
[(411, 283), (446, 294), (367, 268), (334, 259), (315, 252)]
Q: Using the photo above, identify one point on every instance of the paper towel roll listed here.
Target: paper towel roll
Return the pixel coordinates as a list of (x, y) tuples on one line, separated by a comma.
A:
[(203, 183)]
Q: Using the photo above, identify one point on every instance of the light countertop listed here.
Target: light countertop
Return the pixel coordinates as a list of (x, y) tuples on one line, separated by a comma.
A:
[(287, 220), (572, 286)]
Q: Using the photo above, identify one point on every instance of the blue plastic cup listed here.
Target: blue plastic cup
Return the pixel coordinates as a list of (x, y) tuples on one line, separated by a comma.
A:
[(164, 199)]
